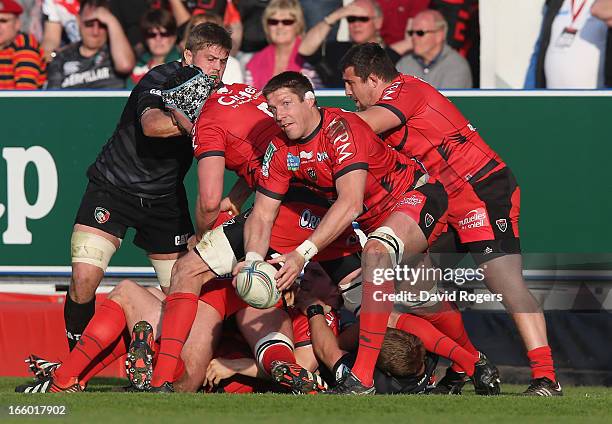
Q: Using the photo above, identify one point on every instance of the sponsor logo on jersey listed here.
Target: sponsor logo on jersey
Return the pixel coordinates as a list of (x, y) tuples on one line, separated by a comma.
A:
[(265, 166), (181, 240), (413, 200), (293, 162), (312, 173), (306, 155), (487, 250), (309, 220), (428, 220), (321, 156), (338, 132), (155, 92), (234, 100), (388, 94), (502, 224), (101, 215), (475, 218)]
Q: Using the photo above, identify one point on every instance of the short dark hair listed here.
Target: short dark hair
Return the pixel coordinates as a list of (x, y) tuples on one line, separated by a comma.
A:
[(367, 59), (158, 18), (206, 35), (402, 354), (94, 3), (294, 81)]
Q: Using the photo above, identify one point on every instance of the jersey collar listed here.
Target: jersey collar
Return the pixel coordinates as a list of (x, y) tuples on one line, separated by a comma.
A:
[(314, 133)]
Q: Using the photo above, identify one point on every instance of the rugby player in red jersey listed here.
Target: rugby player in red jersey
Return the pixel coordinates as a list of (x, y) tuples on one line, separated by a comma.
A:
[(335, 154), (232, 131), (483, 195)]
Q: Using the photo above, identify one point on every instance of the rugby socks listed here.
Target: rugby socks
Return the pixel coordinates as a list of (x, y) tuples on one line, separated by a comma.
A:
[(375, 310), (180, 364), (76, 318), (437, 342), (178, 316), (541, 363), (271, 349), (450, 323), (115, 351), (104, 329)]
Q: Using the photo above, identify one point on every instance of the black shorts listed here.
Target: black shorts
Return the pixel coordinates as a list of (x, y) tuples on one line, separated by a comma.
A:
[(162, 225)]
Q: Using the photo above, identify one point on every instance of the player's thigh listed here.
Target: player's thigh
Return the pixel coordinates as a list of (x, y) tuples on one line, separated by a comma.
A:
[(138, 304)]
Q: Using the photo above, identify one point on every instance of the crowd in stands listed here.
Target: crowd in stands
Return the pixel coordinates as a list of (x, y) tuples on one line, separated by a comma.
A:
[(111, 44)]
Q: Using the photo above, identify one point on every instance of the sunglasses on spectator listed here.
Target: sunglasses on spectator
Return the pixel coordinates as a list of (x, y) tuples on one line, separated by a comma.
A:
[(420, 32), (91, 22), (286, 22), (352, 19), (154, 34)]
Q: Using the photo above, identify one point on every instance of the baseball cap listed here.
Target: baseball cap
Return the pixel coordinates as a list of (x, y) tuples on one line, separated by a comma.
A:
[(10, 6)]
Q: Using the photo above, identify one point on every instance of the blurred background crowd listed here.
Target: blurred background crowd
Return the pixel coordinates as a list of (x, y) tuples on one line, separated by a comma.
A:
[(111, 44)]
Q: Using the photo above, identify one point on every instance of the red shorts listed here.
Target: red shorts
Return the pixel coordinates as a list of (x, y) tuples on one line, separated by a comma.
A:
[(221, 295), (426, 205), (296, 221), (488, 209)]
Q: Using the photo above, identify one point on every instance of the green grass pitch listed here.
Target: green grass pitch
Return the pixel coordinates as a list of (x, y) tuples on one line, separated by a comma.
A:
[(101, 405)]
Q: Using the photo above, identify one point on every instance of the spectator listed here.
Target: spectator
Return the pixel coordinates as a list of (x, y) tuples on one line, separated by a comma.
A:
[(316, 10), (570, 35), (32, 18), (233, 70), (432, 59), (602, 9), (61, 23), (365, 20), (159, 30), (253, 38), (283, 22), (101, 59), (463, 30), (396, 14), (21, 61)]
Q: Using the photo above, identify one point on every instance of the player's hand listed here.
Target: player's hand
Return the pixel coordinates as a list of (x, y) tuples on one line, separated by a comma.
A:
[(218, 369), (227, 206), (291, 269), (236, 270), (193, 242)]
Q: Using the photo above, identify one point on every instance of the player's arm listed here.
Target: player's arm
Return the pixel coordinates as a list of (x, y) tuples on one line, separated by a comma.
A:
[(258, 226), (380, 118), (349, 205), (324, 341), (211, 170), (239, 194), (158, 123)]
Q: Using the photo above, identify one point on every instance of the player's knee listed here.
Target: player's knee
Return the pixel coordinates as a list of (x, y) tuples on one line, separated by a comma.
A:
[(121, 291), (383, 244), (185, 272)]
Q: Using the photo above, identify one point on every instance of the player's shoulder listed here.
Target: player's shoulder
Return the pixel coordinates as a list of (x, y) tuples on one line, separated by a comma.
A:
[(336, 119), (157, 76)]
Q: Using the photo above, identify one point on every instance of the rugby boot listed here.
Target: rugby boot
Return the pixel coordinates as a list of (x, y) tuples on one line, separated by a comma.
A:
[(298, 379), (139, 359), (543, 387), (351, 386)]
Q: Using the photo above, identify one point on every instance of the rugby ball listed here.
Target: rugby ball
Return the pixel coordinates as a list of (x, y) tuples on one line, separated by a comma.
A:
[(255, 284)]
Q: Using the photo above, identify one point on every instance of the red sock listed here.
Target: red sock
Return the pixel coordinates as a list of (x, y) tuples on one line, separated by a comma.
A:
[(274, 350), (375, 311), (180, 364), (178, 316), (107, 357), (436, 342), (541, 363), (450, 323), (103, 329)]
